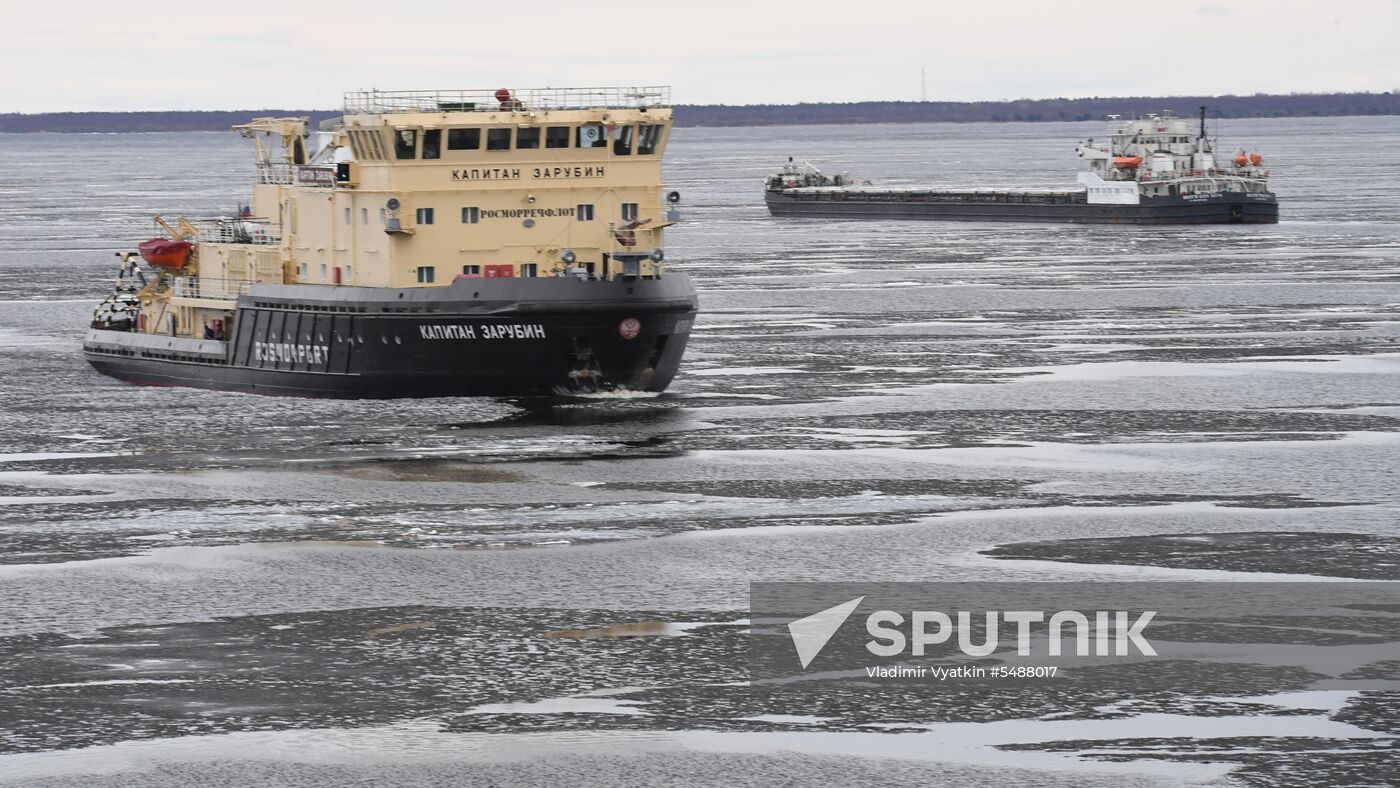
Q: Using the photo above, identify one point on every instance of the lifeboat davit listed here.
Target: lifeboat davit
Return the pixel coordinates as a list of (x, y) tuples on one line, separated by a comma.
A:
[(1241, 160), (165, 253), (1127, 162)]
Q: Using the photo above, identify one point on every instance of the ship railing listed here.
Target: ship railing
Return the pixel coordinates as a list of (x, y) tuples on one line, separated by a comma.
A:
[(239, 231), (628, 239), (208, 289), (283, 174), (388, 101), (1247, 174), (274, 173)]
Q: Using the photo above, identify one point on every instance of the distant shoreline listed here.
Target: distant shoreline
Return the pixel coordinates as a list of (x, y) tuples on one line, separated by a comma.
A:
[(1301, 105)]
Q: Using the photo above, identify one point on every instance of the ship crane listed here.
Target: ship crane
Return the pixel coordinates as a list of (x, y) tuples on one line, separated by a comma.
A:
[(291, 130)]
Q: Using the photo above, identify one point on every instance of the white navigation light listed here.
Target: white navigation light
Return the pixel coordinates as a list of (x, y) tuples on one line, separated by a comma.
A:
[(392, 204), (657, 255), (568, 257), (673, 197)]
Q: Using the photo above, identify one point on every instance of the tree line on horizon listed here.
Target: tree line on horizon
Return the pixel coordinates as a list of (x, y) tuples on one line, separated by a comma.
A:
[(1020, 110)]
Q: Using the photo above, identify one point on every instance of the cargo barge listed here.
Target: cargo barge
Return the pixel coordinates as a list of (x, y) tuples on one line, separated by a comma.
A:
[(424, 244), (1153, 170)]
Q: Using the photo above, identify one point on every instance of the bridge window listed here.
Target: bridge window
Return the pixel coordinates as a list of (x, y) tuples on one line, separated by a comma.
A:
[(629, 212), (529, 269), (584, 213), (405, 143), (622, 146), (432, 143), (498, 139), (556, 137), (425, 274), (364, 216), (347, 215), (527, 139), (423, 215), (471, 270), (463, 139), (471, 215), (649, 139), (592, 135)]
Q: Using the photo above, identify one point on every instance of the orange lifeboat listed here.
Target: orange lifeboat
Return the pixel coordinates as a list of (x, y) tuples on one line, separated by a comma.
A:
[(164, 253), (1241, 160), (1256, 159), (1127, 162)]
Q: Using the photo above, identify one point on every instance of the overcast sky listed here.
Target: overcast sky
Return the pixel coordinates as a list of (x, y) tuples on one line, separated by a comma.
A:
[(60, 55)]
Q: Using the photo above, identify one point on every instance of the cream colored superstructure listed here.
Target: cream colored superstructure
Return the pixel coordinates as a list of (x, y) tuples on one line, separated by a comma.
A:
[(417, 189)]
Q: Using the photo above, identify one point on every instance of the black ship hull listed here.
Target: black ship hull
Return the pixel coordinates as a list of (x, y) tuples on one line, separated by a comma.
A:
[(478, 337), (1064, 207)]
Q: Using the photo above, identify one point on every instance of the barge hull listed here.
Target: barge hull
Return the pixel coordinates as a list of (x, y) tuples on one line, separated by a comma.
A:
[(1244, 209)]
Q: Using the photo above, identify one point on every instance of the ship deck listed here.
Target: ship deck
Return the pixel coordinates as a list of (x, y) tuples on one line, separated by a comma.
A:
[(927, 194)]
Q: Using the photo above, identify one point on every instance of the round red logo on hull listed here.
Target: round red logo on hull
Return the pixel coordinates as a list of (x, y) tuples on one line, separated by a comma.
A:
[(629, 328)]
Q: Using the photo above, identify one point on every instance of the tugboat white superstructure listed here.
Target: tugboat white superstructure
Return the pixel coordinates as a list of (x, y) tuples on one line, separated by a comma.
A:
[(1153, 170), (437, 244)]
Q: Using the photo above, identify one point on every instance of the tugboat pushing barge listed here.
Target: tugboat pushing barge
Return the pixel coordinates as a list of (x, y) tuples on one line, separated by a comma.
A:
[(1154, 170), (439, 244)]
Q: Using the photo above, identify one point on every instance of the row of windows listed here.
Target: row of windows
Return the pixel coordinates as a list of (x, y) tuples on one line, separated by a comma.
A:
[(1146, 138), (427, 274), (643, 139), (341, 273), (364, 215)]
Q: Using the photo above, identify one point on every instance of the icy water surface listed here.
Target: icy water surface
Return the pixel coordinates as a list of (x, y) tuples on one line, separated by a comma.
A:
[(219, 588)]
